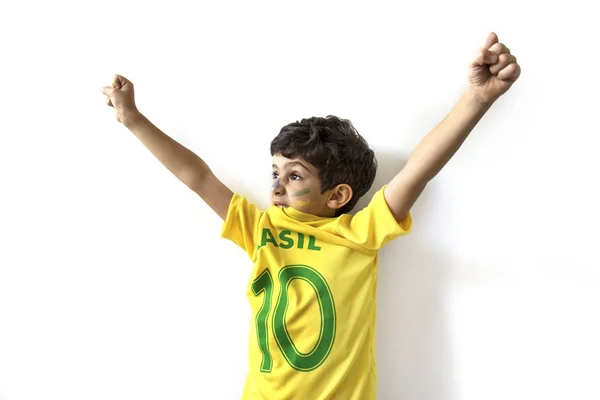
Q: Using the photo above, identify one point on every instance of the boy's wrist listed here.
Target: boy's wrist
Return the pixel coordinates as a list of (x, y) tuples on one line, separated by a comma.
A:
[(474, 100), (130, 118)]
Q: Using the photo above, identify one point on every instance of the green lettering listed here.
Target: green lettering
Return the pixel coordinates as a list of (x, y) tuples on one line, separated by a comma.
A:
[(327, 321), (311, 243), (267, 237), (283, 236), (314, 358), (300, 240), (264, 284)]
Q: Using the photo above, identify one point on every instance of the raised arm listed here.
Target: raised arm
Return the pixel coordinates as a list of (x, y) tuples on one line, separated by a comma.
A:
[(188, 167), (491, 73)]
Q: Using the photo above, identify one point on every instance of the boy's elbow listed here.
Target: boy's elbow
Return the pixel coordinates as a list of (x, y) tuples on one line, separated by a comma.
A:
[(195, 176)]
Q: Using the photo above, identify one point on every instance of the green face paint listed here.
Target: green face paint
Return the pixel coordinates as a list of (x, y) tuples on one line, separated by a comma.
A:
[(301, 192)]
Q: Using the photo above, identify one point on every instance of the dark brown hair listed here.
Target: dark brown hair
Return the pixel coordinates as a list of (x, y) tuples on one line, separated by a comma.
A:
[(333, 146)]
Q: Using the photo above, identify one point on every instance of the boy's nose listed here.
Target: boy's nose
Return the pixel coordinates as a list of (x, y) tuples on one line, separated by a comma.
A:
[(277, 188)]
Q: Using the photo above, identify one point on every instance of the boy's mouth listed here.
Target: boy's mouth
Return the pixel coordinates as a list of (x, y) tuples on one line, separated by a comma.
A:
[(280, 205)]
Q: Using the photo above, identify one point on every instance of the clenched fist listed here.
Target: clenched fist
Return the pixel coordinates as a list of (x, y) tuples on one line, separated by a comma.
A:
[(493, 70), (119, 95)]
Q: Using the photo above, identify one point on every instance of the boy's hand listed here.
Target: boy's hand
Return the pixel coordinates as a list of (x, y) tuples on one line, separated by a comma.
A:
[(120, 96), (492, 71)]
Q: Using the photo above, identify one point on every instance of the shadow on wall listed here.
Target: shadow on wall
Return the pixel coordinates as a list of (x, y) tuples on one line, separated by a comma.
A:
[(413, 340)]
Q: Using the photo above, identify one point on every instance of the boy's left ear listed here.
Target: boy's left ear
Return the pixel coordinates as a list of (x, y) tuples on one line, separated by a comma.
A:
[(339, 196)]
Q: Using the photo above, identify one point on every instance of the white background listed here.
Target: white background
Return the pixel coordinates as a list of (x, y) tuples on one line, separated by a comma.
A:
[(114, 283)]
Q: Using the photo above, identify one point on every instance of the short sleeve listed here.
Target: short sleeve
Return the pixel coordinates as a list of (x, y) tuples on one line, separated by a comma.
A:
[(373, 226), (241, 224)]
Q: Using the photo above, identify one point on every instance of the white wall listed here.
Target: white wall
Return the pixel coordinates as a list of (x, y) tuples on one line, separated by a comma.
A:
[(114, 283)]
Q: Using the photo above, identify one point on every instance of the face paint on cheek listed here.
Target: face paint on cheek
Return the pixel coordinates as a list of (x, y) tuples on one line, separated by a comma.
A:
[(301, 192), (301, 204)]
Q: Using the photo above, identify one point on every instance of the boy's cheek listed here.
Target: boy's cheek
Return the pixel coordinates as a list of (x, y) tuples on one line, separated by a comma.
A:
[(301, 203)]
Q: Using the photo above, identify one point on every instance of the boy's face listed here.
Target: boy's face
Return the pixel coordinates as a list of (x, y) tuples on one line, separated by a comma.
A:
[(296, 184)]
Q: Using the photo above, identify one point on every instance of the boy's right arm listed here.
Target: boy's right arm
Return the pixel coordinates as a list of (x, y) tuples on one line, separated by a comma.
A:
[(183, 163)]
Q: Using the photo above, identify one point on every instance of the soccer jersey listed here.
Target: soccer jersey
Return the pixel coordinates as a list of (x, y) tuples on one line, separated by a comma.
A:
[(312, 292)]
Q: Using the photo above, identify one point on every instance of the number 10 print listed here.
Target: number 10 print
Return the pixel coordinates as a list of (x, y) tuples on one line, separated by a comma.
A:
[(296, 359)]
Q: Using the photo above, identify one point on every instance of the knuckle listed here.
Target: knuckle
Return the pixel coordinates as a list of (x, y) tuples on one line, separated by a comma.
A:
[(504, 57)]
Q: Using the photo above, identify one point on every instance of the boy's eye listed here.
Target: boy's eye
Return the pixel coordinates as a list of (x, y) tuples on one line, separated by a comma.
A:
[(274, 175), (295, 177)]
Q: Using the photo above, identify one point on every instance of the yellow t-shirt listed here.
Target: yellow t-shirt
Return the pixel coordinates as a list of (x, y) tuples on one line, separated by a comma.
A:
[(313, 296)]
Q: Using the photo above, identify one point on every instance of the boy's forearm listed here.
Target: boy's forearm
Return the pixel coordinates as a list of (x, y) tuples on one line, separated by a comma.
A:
[(182, 162), (438, 147)]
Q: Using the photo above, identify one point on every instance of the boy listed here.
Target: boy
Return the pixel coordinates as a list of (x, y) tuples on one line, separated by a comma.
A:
[(313, 285)]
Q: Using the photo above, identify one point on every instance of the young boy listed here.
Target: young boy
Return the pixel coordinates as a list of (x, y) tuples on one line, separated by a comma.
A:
[(313, 285)]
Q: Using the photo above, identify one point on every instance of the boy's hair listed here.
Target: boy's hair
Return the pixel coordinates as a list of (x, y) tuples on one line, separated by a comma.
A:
[(335, 147)]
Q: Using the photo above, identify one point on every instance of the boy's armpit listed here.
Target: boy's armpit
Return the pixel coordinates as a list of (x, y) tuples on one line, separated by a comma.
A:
[(214, 193), (401, 194)]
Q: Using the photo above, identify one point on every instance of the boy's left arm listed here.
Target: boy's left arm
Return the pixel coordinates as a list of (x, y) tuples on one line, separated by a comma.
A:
[(491, 73)]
